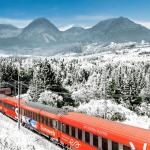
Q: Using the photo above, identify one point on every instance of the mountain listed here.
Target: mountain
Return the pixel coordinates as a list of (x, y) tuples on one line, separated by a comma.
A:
[(119, 30), (7, 31), (43, 36), (7, 27), (74, 34), (40, 31)]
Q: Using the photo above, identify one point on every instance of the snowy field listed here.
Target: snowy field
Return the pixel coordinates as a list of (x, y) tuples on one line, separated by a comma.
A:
[(12, 139)]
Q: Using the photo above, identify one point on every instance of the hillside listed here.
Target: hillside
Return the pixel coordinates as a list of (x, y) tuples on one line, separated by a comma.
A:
[(119, 73)]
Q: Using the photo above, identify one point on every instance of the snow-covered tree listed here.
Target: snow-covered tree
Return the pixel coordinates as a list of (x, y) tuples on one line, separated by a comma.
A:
[(50, 98)]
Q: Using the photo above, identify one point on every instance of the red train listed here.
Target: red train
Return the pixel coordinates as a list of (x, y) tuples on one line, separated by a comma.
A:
[(75, 130)]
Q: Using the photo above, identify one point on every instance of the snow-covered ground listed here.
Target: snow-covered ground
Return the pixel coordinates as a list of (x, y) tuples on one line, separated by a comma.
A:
[(130, 51), (96, 60), (13, 139)]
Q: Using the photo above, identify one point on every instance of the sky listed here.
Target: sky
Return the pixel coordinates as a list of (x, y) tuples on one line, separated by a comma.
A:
[(67, 13)]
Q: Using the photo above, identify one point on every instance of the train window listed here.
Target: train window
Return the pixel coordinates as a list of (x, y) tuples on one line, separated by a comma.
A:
[(38, 118), (126, 147), (43, 119), (80, 134), (95, 140), (25, 113), (115, 146), (46, 121), (63, 128), (32, 115), (28, 114), (59, 126), (35, 116), (21, 110), (73, 132), (67, 129), (87, 137), (54, 124), (104, 144), (49, 122)]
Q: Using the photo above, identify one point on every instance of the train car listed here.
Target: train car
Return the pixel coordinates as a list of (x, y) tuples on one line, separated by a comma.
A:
[(5, 91), (81, 131), (9, 106), (85, 132), (42, 118), (75, 130)]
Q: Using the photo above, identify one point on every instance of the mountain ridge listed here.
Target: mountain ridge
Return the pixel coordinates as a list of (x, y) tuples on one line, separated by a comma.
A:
[(41, 33)]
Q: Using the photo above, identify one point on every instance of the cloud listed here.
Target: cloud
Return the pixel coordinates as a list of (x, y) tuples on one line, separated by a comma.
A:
[(144, 23), (16, 22), (64, 28)]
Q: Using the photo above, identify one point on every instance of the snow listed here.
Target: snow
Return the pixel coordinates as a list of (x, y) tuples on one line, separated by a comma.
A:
[(48, 37), (50, 98), (13, 139), (25, 96), (4, 55), (100, 60), (64, 28)]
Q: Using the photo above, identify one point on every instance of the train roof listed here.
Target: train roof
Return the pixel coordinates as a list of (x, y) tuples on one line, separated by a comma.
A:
[(107, 128), (36, 105), (9, 98), (45, 108)]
